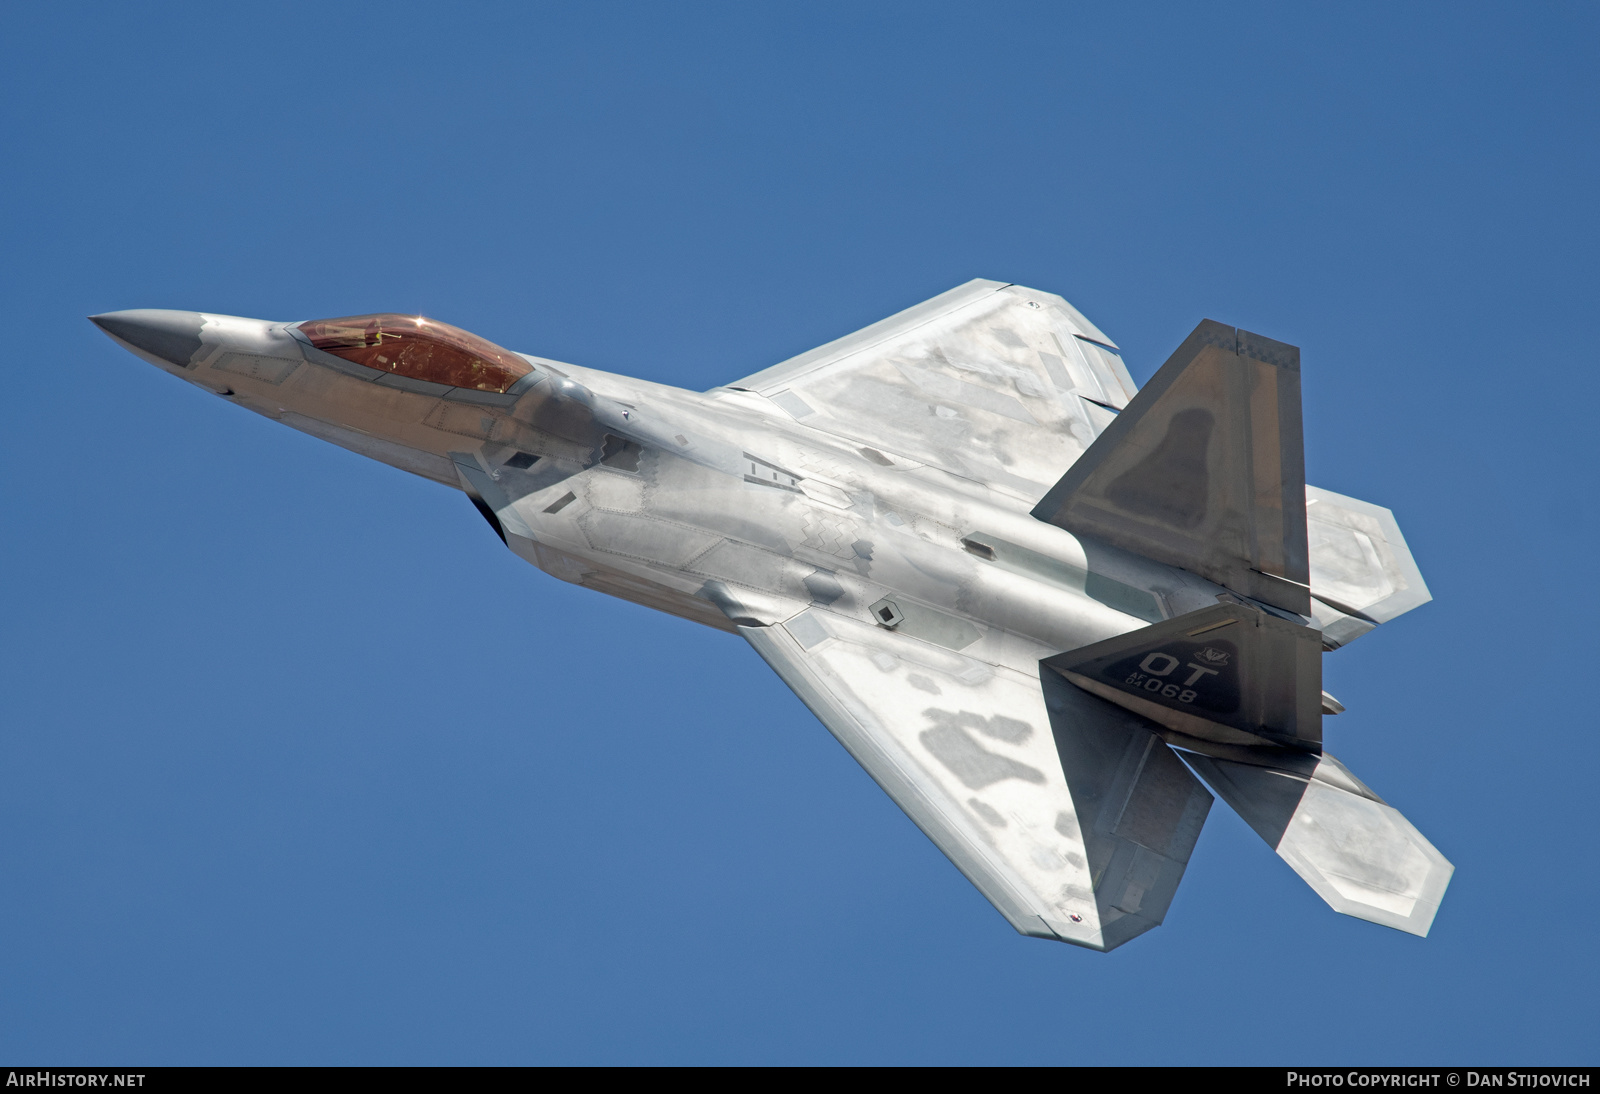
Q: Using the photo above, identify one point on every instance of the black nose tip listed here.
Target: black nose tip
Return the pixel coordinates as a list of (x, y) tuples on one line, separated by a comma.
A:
[(173, 336)]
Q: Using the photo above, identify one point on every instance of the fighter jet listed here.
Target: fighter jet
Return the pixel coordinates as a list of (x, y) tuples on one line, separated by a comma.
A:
[(1042, 607)]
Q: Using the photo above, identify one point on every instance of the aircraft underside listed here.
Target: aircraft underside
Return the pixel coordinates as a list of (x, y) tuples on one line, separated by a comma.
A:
[(1042, 608)]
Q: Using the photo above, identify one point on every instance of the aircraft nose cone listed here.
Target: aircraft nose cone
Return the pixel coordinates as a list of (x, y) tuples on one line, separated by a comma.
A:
[(172, 336)]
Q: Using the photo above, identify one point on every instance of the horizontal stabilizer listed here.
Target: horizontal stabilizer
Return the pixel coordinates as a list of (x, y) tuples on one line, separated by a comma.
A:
[(1353, 848), (1204, 470), (1362, 572), (1228, 674)]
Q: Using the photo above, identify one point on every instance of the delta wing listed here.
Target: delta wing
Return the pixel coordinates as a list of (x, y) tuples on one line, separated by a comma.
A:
[(1072, 818)]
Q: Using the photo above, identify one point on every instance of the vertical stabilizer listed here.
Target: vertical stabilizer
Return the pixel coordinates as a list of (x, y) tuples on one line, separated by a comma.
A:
[(1137, 810), (1228, 674), (1204, 470)]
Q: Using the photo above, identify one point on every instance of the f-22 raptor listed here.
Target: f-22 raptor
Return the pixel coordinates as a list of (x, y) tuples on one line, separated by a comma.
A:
[(1042, 607)]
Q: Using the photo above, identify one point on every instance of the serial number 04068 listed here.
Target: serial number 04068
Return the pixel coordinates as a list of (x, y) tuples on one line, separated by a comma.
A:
[(1160, 687)]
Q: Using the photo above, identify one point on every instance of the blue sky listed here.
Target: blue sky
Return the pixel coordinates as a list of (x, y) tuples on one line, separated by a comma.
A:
[(301, 766)]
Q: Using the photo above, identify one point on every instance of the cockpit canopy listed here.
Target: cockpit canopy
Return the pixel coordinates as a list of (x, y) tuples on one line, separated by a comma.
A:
[(418, 348)]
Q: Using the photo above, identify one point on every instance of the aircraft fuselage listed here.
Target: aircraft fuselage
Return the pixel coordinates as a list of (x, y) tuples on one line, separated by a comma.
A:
[(710, 506)]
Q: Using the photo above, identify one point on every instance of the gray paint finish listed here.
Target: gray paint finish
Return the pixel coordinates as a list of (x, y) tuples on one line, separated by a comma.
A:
[(1012, 663), (172, 337), (1205, 469), (1353, 848)]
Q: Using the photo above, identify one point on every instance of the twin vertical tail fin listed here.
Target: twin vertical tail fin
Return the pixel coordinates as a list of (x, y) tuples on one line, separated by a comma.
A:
[(1239, 692), (1205, 470), (1229, 674)]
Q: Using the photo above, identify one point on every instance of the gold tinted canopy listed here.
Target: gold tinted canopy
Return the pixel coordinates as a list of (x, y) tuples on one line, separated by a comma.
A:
[(418, 348)]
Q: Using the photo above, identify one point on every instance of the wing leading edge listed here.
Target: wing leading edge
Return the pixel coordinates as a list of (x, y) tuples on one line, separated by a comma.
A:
[(996, 383)]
